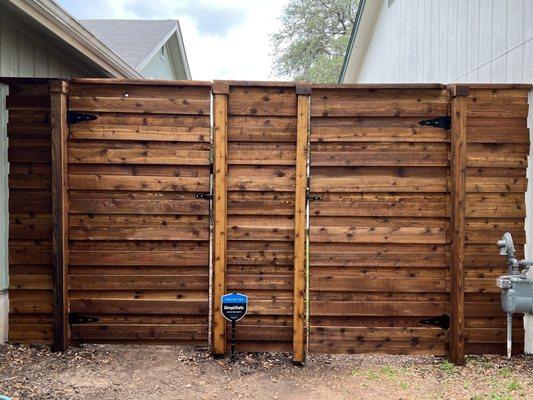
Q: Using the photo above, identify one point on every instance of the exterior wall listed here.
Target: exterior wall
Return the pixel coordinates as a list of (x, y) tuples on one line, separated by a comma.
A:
[(4, 307), (160, 67), (451, 41), (24, 53)]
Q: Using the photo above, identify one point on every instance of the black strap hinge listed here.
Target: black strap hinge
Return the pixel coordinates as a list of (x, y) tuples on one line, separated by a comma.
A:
[(444, 122), (75, 117), (78, 319), (205, 196), (442, 322)]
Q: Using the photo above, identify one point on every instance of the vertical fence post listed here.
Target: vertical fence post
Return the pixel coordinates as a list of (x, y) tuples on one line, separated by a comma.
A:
[(303, 92), (220, 123), (58, 111), (459, 95)]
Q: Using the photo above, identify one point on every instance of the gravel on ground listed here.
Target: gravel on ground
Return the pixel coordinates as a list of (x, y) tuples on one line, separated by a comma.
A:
[(145, 372)]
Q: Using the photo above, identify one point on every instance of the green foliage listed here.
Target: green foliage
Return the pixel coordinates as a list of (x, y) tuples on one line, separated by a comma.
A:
[(447, 366), (313, 39), (505, 372), (513, 385), (388, 371)]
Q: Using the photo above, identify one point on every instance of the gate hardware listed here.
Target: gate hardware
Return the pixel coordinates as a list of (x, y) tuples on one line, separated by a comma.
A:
[(439, 122), (77, 319), (75, 117), (312, 197), (205, 196), (442, 322)]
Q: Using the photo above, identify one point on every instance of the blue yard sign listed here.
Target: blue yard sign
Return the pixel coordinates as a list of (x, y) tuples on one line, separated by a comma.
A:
[(234, 306)]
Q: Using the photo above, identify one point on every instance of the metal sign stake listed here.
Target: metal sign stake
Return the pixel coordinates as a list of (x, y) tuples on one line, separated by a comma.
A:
[(233, 341)]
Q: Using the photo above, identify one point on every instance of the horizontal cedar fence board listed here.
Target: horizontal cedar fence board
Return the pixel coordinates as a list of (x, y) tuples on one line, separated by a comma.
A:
[(496, 154), (139, 236), (379, 232), (30, 207), (261, 160)]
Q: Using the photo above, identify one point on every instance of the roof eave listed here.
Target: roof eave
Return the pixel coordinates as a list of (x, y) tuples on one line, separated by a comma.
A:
[(183, 53), (360, 38), (72, 32)]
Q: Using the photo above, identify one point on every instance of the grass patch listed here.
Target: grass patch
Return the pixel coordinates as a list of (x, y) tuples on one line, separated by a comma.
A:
[(513, 385), (479, 361), (388, 371), (372, 375), (447, 366), (497, 396), (505, 372)]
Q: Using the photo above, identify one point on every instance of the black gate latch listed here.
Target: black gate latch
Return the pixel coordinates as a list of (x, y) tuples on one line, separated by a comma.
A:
[(78, 319), (440, 122), (205, 196), (75, 117), (314, 197), (442, 322)]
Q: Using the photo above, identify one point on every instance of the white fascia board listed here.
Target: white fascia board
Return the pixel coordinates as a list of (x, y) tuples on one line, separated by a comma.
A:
[(157, 47), (183, 53), (361, 40), (50, 15)]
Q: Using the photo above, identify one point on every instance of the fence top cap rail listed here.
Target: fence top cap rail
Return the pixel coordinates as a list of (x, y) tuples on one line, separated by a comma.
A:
[(521, 86), (379, 86), (261, 83), (153, 82)]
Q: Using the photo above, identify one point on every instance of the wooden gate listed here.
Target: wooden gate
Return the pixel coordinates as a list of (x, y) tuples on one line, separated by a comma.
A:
[(408, 188), (138, 211), (256, 181), (379, 230)]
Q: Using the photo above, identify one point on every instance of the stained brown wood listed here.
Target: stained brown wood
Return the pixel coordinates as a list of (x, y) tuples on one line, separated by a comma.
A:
[(380, 257), (458, 228), (138, 232), (58, 93), (220, 124), (299, 314), (378, 232)]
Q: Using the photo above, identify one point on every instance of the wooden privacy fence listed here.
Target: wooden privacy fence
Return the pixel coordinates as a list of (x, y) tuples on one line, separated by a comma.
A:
[(357, 218)]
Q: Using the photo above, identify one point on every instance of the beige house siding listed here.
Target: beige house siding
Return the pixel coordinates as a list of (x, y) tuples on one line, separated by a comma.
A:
[(24, 53)]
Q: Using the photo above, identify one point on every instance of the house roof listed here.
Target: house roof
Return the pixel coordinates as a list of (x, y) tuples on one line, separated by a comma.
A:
[(133, 40), (52, 20)]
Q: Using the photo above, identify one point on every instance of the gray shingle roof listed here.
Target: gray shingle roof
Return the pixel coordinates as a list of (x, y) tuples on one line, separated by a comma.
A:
[(132, 40)]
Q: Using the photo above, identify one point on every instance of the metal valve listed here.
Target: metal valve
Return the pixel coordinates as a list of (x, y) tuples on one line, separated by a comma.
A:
[(506, 245), (517, 289)]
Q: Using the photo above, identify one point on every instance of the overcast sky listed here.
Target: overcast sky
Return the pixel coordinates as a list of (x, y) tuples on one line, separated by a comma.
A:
[(224, 39)]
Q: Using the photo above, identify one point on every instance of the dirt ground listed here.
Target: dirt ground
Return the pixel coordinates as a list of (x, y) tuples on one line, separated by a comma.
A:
[(165, 372)]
